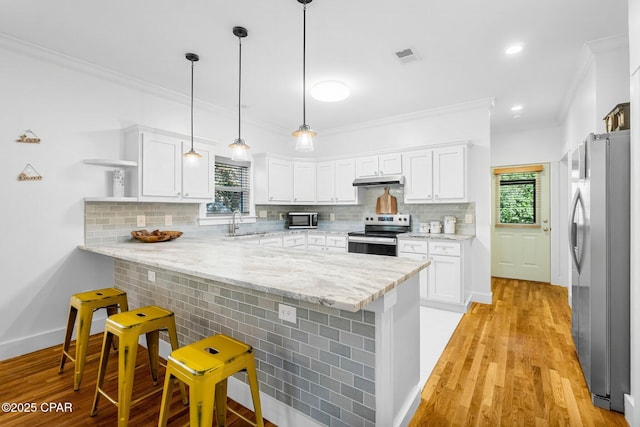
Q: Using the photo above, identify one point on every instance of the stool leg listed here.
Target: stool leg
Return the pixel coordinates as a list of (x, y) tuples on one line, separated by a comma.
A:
[(67, 338), (126, 373), (153, 348), (255, 393), (201, 398), (102, 369), (221, 403), (173, 339), (111, 310), (82, 340), (166, 397)]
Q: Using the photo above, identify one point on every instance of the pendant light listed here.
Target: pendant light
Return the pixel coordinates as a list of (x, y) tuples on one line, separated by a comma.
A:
[(304, 133), (192, 155), (239, 147)]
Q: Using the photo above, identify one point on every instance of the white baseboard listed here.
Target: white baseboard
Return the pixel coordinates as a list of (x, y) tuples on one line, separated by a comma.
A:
[(25, 345), (482, 297)]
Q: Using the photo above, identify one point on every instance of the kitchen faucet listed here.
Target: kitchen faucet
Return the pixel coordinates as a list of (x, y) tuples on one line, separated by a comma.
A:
[(235, 226)]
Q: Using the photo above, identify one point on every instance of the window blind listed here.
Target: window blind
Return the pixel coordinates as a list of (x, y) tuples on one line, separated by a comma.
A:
[(232, 184), (517, 195)]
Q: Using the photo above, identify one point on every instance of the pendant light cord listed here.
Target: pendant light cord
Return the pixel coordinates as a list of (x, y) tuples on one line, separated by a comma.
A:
[(191, 105), (239, 82), (304, 67)]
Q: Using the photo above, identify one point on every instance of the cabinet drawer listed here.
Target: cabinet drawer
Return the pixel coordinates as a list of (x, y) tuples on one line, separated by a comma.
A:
[(292, 241), (316, 240), (444, 248), (271, 241), (413, 246), (336, 242)]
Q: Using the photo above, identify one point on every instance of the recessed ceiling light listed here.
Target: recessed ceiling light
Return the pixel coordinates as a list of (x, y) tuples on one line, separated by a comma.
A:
[(513, 49), (515, 116), (330, 91), (516, 108)]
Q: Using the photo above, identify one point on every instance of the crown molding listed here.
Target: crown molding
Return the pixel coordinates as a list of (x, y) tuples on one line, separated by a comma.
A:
[(63, 60)]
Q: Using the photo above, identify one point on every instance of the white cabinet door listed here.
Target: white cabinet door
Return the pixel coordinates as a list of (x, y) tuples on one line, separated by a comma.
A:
[(367, 166), (295, 241), (280, 177), (304, 182), (325, 182), (449, 174), (161, 166), (390, 164), (271, 241), (197, 175), (345, 173), (418, 170), (424, 273), (445, 281), (336, 244)]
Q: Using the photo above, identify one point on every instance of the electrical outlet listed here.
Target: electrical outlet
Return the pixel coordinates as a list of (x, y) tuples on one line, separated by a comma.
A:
[(168, 220), (263, 214), (281, 216), (151, 276), (141, 221), (332, 216), (468, 219), (287, 313)]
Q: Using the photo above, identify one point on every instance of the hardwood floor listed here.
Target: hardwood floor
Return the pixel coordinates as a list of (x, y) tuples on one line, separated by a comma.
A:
[(512, 363), (33, 379)]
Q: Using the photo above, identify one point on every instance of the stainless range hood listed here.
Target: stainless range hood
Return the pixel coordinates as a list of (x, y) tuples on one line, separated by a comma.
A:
[(379, 181)]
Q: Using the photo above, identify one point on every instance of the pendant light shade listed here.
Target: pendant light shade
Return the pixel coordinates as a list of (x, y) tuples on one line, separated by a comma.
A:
[(304, 134), (192, 154), (239, 147)]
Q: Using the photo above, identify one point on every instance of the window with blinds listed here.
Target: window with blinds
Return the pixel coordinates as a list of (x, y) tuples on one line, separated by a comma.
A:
[(518, 195), (231, 187)]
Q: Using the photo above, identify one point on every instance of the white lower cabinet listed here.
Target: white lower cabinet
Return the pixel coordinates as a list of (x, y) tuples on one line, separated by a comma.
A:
[(271, 241), (298, 241), (444, 283), (326, 242), (336, 243)]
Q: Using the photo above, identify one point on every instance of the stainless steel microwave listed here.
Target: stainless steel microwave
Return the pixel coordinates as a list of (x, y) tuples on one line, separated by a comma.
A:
[(302, 220)]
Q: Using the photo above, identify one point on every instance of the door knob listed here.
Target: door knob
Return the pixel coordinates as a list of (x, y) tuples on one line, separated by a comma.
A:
[(546, 229)]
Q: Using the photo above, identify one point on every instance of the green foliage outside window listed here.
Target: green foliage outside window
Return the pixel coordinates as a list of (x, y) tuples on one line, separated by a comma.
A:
[(518, 198)]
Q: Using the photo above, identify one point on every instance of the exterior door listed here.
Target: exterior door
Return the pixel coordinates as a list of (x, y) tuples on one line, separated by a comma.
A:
[(522, 251)]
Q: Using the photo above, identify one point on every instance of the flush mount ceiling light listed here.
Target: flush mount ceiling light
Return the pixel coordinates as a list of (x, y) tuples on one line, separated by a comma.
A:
[(330, 91), (239, 147), (513, 49), (191, 154), (304, 134)]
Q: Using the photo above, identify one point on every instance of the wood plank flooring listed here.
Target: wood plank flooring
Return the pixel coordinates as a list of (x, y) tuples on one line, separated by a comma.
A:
[(33, 378), (512, 363)]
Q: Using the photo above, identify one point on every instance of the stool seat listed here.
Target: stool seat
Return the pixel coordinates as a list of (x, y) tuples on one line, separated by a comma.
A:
[(83, 305), (127, 327), (205, 366)]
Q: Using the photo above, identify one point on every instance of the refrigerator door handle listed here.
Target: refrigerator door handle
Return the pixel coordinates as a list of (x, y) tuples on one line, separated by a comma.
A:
[(576, 249)]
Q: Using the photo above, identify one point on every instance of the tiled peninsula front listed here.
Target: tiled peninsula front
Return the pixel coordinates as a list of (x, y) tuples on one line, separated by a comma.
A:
[(351, 358)]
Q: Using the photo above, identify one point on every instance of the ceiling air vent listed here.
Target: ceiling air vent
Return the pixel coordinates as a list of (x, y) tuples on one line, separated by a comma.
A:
[(406, 55)]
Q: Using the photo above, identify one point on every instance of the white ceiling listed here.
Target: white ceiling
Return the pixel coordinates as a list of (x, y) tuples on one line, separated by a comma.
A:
[(459, 44)]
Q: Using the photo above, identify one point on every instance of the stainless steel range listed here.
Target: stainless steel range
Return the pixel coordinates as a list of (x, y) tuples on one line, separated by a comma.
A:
[(379, 236)]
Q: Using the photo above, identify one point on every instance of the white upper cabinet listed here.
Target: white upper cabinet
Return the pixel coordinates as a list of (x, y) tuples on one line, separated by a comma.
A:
[(386, 164), (304, 182), (418, 169), (163, 173), (197, 176), (273, 179), (449, 174), (435, 175), (334, 182)]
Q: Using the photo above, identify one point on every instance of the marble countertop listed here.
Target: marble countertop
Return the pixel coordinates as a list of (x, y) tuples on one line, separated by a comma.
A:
[(346, 281)]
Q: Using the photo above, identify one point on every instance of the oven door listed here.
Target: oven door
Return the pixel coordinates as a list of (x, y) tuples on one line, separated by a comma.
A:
[(373, 245)]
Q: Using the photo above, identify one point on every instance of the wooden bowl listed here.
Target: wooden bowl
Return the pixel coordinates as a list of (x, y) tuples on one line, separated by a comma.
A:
[(155, 235)]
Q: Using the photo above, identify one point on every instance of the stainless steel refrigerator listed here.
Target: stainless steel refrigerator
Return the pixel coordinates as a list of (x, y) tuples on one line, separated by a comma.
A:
[(599, 245)]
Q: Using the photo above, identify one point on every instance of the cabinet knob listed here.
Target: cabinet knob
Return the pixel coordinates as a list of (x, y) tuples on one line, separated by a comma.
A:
[(295, 199), (436, 196), (271, 198), (381, 173), (428, 195)]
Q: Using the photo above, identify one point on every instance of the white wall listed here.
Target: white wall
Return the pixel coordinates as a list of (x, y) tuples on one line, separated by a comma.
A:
[(462, 122), (78, 112)]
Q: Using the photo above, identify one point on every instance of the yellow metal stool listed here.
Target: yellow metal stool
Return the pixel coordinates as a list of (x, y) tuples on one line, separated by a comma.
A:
[(205, 366), (83, 305), (127, 327)]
